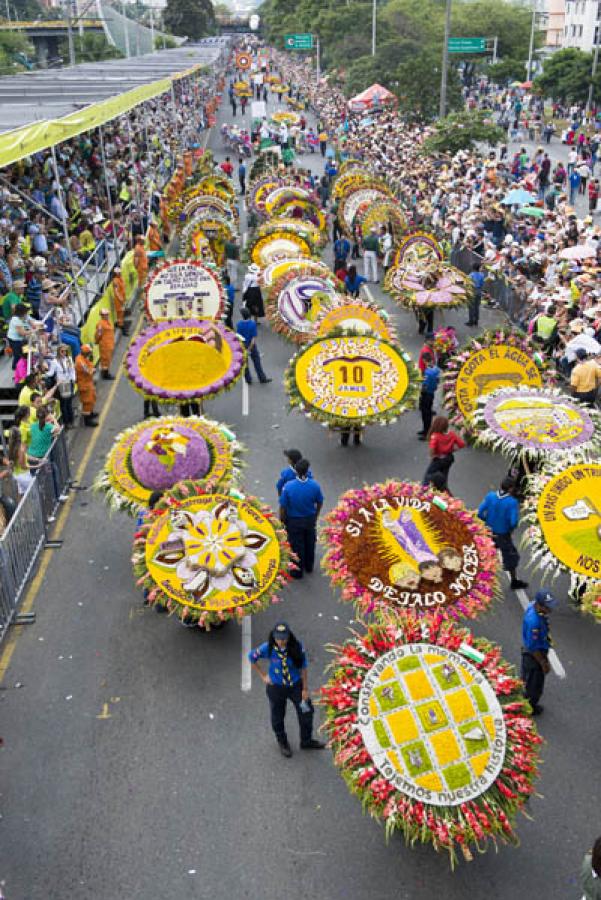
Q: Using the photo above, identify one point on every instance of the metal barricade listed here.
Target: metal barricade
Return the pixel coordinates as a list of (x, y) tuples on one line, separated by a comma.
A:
[(503, 294), (26, 533)]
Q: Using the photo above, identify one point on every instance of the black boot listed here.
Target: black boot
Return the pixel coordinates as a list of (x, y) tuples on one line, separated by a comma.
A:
[(89, 422)]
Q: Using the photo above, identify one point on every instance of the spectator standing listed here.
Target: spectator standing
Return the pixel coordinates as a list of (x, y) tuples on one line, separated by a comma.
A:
[(574, 182), (20, 327), (301, 501), (286, 679), (104, 337), (242, 176), (428, 391), (536, 643), (501, 512), (64, 372), (247, 329)]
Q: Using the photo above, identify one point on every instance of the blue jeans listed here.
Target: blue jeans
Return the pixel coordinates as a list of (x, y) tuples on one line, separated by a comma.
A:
[(256, 358)]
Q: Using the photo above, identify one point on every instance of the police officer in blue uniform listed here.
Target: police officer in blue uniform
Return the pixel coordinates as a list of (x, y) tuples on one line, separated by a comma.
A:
[(286, 679), (536, 643), (300, 504), (289, 473)]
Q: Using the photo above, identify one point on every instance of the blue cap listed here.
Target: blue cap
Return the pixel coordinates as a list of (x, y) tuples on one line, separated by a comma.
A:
[(546, 598)]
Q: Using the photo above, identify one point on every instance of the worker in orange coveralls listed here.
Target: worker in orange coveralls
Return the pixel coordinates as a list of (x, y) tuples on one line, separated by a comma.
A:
[(140, 261), (119, 297), (84, 373), (105, 338)]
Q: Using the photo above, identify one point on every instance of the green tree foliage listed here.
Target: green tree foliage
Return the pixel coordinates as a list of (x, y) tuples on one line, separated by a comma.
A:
[(189, 18), (566, 75), (27, 10), (507, 70), (14, 50), (461, 131), (90, 47), (409, 41)]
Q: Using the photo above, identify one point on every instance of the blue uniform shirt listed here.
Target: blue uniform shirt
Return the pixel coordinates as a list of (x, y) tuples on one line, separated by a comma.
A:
[(281, 668), (286, 475), (247, 329), (300, 498), (535, 630), (501, 512), (478, 280), (431, 379)]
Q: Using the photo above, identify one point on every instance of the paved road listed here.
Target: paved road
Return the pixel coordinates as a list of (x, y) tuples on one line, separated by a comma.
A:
[(135, 767)]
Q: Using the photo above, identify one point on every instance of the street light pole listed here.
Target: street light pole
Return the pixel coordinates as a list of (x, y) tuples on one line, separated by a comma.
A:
[(127, 50), (445, 61), (373, 28), (589, 102), (531, 48)]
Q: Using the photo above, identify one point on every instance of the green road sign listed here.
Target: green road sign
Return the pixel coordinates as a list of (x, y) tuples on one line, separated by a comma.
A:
[(298, 41), (467, 45)]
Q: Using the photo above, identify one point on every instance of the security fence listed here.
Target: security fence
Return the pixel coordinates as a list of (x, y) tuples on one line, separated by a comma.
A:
[(503, 294), (28, 529)]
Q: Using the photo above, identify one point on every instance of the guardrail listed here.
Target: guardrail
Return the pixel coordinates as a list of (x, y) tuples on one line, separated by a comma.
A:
[(27, 532), (507, 298)]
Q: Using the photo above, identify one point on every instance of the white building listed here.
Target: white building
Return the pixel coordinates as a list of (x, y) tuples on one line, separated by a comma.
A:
[(582, 24)]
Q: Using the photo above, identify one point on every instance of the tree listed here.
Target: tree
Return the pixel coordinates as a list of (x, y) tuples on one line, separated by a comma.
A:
[(194, 19), (461, 131), (91, 47), (566, 76), (507, 70), (15, 50), (509, 22), (417, 85)]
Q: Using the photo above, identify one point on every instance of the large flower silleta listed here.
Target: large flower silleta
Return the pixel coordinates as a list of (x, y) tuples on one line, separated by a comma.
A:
[(434, 285), (212, 550)]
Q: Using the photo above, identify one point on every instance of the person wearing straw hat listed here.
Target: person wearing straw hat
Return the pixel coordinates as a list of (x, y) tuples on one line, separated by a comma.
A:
[(105, 338)]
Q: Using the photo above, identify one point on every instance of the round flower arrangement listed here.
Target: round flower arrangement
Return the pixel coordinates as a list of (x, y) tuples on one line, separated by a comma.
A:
[(260, 188), (215, 229), (279, 88), (434, 285), (280, 243), (402, 547), (346, 380), (294, 265), (367, 192), (381, 213), (591, 600), (350, 163), (307, 230), (209, 557), (496, 359), (157, 453), (538, 424), (417, 248), (350, 180), (354, 316), (430, 729), (217, 205), (182, 289), (285, 206), (211, 187), (283, 192), (295, 299), (562, 515), (285, 117), (184, 360)]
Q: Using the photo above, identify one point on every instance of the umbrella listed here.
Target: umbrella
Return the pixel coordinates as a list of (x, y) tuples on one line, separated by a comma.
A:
[(532, 211), (580, 252), (526, 84), (518, 197)]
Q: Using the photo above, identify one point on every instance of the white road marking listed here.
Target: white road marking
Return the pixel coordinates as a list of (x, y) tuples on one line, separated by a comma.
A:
[(370, 296), (245, 398), (245, 677)]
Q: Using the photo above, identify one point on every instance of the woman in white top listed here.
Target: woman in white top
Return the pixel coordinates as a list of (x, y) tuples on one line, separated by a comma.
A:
[(63, 370)]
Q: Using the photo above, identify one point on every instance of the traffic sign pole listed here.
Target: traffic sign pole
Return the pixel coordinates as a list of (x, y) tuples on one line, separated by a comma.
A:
[(318, 61), (445, 61)]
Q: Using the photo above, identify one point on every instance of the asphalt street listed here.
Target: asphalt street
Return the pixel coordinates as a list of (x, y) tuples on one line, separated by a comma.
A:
[(135, 766)]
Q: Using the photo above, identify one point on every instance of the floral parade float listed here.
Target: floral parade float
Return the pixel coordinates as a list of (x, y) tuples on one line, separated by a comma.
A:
[(496, 359), (379, 214), (184, 360), (429, 727), (272, 272), (184, 289), (538, 425), (433, 285), (280, 243), (417, 248), (285, 117), (312, 235), (358, 316), (401, 547), (368, 191), (286, 206), (296, 296), (562, 517), (208, 557), (156, 454), (352, 380)]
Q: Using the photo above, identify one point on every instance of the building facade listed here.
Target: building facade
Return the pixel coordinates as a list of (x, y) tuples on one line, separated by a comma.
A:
[(582, 24)]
